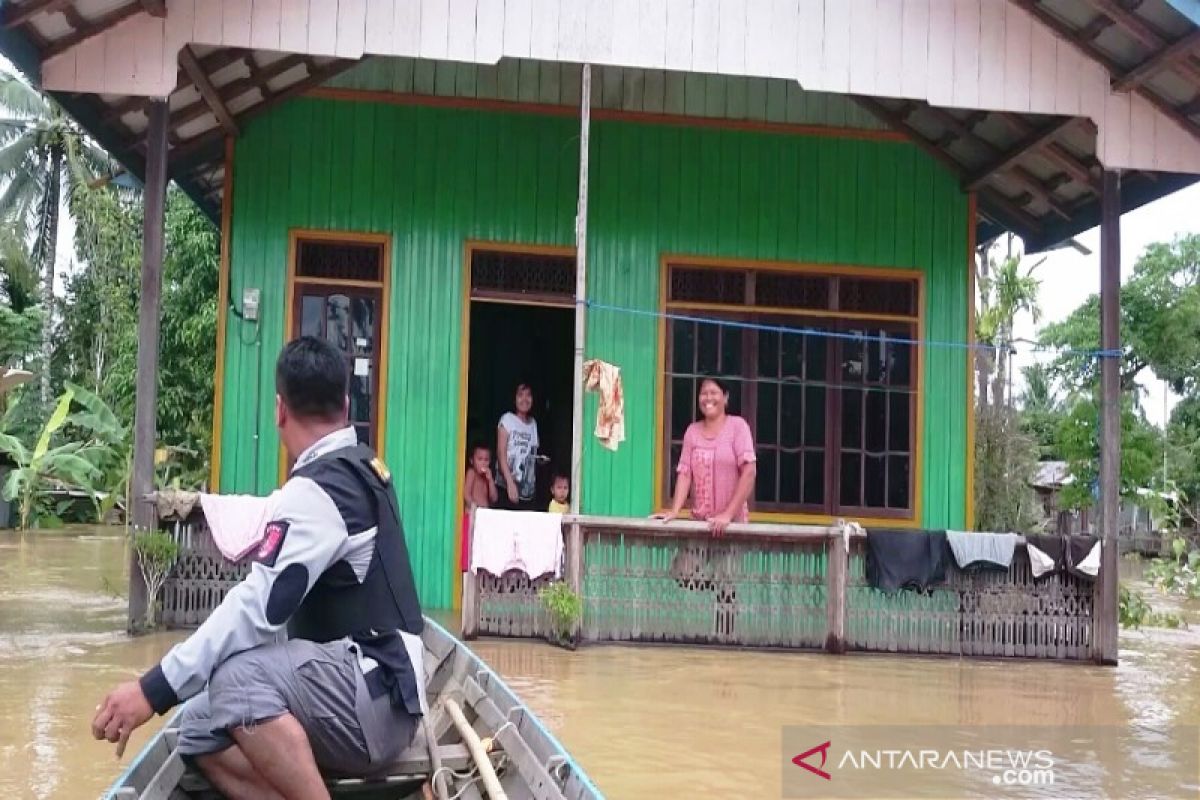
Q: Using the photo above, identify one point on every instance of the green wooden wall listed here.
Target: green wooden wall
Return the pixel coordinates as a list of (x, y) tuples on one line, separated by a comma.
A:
[(432, 178)]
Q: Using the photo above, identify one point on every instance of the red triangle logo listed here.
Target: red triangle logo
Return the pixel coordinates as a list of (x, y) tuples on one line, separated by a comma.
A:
[(823, 749)]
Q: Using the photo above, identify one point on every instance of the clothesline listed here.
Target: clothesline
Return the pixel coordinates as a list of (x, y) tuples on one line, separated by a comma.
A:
[(1098, 353)]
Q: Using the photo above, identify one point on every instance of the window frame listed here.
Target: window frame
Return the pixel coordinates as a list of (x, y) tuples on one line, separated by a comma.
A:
[(799, 317)]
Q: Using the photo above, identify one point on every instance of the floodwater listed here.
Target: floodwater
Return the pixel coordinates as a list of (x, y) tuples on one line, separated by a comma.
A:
[(653, 722)]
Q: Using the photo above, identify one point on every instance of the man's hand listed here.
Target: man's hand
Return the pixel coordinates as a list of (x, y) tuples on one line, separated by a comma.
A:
[(124, 709)]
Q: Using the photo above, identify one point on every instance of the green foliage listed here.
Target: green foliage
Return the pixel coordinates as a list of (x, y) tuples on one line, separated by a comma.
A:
[(1160, 322), (1179, 573), (1041, 411), (565, 607), (1078, 440), (98, 347), (156, 554), (1005, 460), (20, 332), (38, 468), (1135, 612)]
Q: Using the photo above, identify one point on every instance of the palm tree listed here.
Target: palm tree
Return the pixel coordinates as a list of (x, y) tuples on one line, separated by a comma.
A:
[(1008, 291), (44, 155)]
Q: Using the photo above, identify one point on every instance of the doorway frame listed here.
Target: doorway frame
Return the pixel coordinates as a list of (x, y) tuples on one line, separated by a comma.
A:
[(384, 286), (470, 247)]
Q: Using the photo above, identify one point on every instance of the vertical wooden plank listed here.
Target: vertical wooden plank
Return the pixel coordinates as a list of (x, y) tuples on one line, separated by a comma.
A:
[(1018, 58), (1043, 53), (435, 28), (780, 38), (654, 91), (145, 36), (208, 27), (889, 48), (235, 23), (571, 32), (518, 24), (991, 48), (460, 42), (544, 37), (598, 33), (264, 24), (731, 37), (406, 28), (351, 28), (1068, 72), (118, 58), (527, 81), (1141, 128), (965, 91), (705, 28), (1115, 140), (489, 31), (835, 62), (760, 37), (322, 28), (836, 568), (293, 25), (675, 93), (379, 19), (811, 44), (652, 33), (914, 40), (940, 86), (178, 28), (624, 31), (863, 20), (81, 64), (1093, 91), (678, 55)]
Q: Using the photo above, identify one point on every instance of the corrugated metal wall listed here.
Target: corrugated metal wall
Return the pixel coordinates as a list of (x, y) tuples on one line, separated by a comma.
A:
[(433, 178)]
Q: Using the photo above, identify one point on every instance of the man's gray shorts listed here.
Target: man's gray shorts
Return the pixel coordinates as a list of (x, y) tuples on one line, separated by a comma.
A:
[(321, 685)]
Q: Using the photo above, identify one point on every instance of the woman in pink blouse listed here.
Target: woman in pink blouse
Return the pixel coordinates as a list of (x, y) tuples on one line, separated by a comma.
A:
[(717, 465)]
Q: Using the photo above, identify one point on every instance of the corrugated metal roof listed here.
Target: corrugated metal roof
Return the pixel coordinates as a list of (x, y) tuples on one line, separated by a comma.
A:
[(1037, 176)]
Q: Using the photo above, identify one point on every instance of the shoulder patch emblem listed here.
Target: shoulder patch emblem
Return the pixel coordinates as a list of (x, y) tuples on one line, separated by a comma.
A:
[(381, 469), (271, 544)]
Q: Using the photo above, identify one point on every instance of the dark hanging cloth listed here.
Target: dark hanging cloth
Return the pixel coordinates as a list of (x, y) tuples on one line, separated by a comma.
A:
[(899, 559), (1083, 556), (1046, 554)]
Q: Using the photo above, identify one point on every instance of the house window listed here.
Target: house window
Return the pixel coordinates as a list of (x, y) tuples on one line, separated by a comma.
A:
[(822, 367)]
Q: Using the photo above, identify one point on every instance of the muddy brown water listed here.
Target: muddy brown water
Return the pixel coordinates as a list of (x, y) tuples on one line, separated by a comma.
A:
[(643, 721)]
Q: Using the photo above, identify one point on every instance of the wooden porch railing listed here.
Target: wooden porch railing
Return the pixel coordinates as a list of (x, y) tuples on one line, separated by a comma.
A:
[(787, 586), (779, 586)]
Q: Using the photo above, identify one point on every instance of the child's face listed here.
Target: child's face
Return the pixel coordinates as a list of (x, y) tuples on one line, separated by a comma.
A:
[(481, 460), (561, 490)]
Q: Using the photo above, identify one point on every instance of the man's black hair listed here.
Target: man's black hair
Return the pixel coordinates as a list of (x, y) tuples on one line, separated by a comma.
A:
[(312, 377)]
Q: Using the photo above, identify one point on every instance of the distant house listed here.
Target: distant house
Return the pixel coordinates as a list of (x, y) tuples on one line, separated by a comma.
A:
[(1136, 517)]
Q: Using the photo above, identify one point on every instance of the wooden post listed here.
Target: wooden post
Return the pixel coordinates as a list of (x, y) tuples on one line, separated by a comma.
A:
[(1105, 596), (470, 594), (585, 119), (837, 563), (575, 540), (146, 399)]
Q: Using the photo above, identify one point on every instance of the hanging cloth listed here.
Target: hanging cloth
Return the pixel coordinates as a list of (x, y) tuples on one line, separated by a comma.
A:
[(237, 522), (1045, 553), (900, 559), (527, 541), (982, 550), (1083, 556), (600, 376)]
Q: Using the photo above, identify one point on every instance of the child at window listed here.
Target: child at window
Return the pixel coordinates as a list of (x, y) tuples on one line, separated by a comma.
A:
[(479, 491), (561, 493)]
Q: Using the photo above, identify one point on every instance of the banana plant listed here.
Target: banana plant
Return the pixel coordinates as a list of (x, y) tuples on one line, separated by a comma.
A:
[(36, 470)]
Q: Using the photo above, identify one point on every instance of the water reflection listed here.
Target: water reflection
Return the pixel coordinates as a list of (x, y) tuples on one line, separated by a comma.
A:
[(644, 721)]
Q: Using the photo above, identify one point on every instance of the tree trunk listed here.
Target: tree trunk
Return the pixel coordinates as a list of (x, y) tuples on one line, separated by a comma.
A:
[(983, 357), (48, 234), (998, 377)]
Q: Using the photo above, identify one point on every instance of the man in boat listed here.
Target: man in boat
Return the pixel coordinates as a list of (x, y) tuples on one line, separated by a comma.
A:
[(314, 660)]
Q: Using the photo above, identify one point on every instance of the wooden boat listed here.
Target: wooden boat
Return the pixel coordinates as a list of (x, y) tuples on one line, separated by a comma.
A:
[(479, 725)]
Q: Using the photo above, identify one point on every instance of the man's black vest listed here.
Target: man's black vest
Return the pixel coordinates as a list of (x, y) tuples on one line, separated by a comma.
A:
[(386, 600)]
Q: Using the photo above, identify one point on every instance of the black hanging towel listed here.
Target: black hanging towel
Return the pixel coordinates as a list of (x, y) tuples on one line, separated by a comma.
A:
[(900, 559), (1046, 554)]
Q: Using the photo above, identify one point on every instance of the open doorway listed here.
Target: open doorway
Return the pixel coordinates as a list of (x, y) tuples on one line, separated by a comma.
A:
[(522, 329)]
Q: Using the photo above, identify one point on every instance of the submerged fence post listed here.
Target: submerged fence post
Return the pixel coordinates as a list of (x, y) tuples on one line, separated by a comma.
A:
[(837, 565), (470, 595)]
